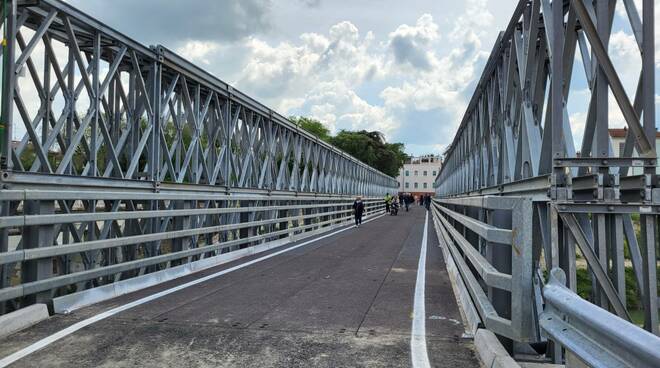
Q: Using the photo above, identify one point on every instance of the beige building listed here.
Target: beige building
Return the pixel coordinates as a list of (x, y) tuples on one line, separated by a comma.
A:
[(618, 137), (418, 175)]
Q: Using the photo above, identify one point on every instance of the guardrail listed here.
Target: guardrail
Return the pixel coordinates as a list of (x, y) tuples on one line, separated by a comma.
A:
[(597, 337), (64, 240), (490, 241), (595, 207)]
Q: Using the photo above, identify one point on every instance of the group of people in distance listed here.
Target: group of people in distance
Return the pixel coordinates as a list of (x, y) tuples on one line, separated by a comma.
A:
[(392, 204)]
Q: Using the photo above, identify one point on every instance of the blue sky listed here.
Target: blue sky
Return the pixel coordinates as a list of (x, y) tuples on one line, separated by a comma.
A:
[(404, 68)]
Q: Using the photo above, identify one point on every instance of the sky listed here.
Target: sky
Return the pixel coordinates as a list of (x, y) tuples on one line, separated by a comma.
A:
[(405, 68)]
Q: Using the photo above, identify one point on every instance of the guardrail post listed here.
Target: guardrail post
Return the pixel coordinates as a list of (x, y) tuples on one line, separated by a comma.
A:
[(181, 223), (38, 236), (284, 213), (308, 220), (522, 271), (244, 232), (500, 255)]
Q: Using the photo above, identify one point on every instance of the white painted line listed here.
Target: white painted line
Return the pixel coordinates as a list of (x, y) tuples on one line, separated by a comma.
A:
[(418, 352), (109, 313)]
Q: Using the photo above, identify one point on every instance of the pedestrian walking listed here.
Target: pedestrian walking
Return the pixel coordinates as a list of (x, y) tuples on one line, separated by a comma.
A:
[(394, 207), (427, 201), (388, 201), (358, 210)]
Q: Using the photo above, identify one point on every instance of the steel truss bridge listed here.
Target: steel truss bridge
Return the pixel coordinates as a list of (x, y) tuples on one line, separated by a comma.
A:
[(133, 160), (134, 167), (520, 211)]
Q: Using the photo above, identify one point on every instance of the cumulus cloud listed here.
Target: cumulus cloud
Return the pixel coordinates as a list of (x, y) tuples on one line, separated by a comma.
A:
[(626, 58), (286, 72), (323, 75), (447, 84), (339, 107), (198, 51), (475, 19), (622, 12), (151, 21), (410, 44)]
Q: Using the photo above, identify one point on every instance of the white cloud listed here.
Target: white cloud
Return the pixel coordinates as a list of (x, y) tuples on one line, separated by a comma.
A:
[(476, 19), (410, 44), (578, 121), (287, 71), (445, 85), (198, 51), (626, 58), (339, 107), (621, 11), (321, 73)]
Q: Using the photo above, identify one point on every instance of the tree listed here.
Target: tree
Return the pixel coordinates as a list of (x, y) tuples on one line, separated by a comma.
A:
[(312, 126), (372, 149)]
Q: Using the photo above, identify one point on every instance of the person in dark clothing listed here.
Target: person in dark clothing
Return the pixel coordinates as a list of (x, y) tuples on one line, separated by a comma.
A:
[(358, 210), (406, 201), (427, 201)]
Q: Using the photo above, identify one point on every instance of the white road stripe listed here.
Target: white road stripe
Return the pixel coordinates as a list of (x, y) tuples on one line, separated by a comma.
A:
[(418, 352), (109, 313)]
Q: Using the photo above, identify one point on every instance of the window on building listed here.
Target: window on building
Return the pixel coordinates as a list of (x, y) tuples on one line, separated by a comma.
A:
[(416, 185), (407, 173), (407, 185), (435, 173), (621, 145), (425, 173), (398, 184), (416, 172), (425, 185)]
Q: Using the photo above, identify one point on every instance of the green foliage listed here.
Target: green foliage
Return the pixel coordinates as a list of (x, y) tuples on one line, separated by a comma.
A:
[(368, 147), (584, 287), (372, 149), (313, 126)]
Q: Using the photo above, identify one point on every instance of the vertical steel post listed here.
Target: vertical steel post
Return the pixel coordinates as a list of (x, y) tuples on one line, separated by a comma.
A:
[(8, 83), (38, 236), (649, 239)]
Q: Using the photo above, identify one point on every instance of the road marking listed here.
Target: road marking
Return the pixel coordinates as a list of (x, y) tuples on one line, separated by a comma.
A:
[(109, 313), (418, 352)]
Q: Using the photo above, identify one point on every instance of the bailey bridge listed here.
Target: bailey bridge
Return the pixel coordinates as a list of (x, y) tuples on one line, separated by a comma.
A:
[(153, 215)]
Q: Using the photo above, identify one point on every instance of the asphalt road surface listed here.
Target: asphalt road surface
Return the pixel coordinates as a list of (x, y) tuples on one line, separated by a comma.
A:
[(343, 301)]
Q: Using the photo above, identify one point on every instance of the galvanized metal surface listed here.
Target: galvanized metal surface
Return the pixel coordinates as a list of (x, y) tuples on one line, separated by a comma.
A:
[(591, 210), (495, 271), (132, 160), (593, 334)]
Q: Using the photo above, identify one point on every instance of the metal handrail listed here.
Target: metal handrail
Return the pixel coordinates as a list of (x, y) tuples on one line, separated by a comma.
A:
[(594, 335)]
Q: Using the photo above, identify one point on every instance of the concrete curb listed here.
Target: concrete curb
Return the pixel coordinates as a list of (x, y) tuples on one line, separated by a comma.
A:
[(22, 319), (491, 352)]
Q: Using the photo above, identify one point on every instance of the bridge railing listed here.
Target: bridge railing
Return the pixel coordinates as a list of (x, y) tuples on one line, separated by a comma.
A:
[(489, 239), (595, 204), (596, 336), (119, 160), (92, 236)]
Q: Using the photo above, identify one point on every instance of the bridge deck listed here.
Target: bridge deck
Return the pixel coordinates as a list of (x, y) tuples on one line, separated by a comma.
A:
[(344, 300)]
